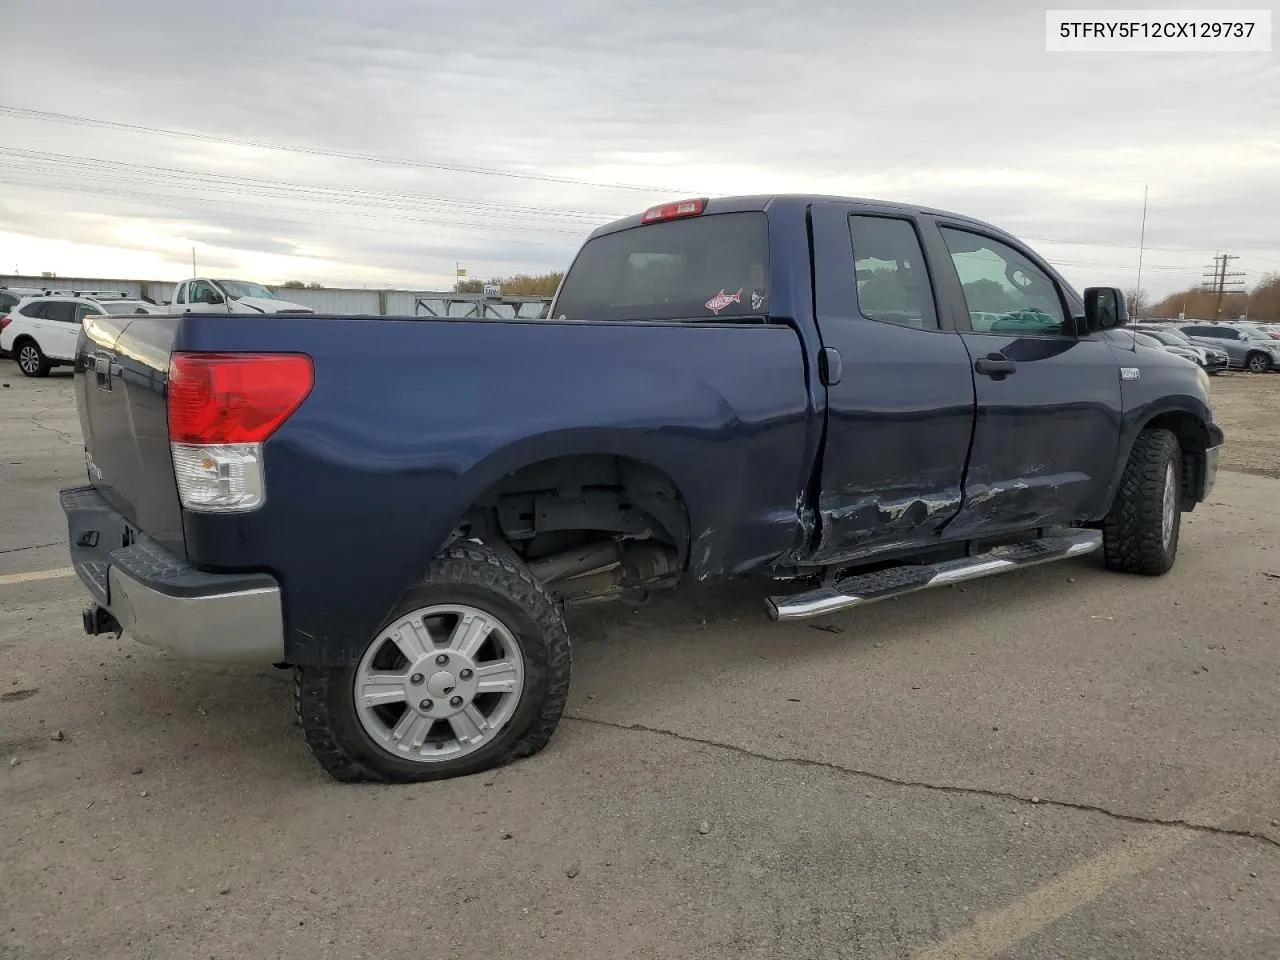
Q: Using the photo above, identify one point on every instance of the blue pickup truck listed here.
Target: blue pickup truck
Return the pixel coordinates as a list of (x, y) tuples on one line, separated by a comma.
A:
[(853, 399)]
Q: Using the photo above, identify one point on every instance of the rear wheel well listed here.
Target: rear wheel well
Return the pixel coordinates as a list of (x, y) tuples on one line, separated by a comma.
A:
[(622, 522), (1193, 440)]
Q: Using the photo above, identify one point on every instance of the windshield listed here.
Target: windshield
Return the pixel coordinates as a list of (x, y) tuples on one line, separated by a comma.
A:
[(1171, 338), (125, 306), (1252, 332), (701, 268), (238, 289)]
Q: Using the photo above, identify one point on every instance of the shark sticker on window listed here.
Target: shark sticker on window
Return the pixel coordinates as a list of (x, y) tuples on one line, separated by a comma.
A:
[(722, 300)]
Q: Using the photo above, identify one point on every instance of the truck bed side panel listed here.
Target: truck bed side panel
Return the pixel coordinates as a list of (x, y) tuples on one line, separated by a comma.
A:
[(410, 421)]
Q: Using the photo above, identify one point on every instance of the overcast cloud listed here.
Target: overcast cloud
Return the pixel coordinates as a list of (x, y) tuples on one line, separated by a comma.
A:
[(953, 105)]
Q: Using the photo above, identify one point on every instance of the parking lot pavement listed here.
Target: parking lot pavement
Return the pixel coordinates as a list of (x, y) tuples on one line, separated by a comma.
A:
[(1058, 763)]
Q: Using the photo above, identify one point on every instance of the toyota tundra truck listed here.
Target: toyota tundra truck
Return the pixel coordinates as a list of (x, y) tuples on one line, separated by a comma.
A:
[(848, 399)]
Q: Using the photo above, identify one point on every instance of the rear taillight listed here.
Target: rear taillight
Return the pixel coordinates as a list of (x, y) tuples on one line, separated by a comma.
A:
[(674, 211), (4, 322), (222, 407)]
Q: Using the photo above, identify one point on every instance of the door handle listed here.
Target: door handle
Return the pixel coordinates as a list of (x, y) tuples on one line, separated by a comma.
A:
[(830, 366), (102, 368), (995, 365)]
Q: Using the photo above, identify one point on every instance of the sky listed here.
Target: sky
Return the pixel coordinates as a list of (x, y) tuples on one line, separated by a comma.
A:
[(378, 144)]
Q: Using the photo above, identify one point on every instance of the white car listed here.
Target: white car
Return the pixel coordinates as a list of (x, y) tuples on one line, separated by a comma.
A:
[(41, 332), (202, 295)]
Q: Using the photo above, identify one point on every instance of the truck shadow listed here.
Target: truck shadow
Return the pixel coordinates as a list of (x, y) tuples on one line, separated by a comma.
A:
[(208, 723)]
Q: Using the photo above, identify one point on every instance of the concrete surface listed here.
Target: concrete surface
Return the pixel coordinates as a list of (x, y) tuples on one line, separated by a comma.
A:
[(1058, 763)]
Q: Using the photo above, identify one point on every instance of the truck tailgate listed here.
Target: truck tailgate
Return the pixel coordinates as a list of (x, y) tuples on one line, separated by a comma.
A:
[(122, 367)]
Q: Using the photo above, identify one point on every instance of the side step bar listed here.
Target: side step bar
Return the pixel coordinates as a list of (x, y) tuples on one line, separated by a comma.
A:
[(895, 581)]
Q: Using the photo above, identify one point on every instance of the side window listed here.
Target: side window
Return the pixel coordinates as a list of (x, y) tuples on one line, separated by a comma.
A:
[(1004, 291), (182, 293), (34, 310), (893, 283), (7, 302), (86, 310), (198, 289), (62, 311)]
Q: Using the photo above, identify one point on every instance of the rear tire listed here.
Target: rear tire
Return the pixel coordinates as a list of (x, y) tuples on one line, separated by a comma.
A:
[(30, 358), (1140, 532), (377, 735)]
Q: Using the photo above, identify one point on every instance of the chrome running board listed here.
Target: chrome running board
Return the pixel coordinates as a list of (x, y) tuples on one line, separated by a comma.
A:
[(894, 582)]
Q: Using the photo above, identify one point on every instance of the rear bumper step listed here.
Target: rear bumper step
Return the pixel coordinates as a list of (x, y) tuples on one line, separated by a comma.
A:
[(882, 584)]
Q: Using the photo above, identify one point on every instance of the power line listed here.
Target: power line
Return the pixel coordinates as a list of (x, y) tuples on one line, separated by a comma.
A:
[(75, 120), (341, 195), (507, 222), (177, 202), (43, 115), (46, 159)]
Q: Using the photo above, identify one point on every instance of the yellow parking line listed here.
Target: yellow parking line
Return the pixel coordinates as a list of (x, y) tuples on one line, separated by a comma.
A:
[(36, 575), (994, 933)]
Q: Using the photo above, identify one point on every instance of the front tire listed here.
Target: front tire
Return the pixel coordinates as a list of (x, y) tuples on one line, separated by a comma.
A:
[(470, 672), (1140, 532), (31, 359)]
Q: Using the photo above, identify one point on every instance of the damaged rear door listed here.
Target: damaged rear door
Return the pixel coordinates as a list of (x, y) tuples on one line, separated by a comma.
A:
[(1048, 397), (900, 394)]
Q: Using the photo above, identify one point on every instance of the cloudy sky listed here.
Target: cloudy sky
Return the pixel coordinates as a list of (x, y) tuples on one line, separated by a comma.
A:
[(376, 143)]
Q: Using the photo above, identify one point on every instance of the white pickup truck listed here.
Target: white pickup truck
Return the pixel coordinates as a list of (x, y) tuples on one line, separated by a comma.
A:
[(203, 295)]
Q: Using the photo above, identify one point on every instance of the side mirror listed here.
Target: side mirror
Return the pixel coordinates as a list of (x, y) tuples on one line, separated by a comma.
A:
[(211, 296), (1104, 308)]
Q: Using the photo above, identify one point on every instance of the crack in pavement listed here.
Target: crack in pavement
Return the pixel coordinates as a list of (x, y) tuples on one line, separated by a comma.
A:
[(940, 787), (62, 435), (34, 546)]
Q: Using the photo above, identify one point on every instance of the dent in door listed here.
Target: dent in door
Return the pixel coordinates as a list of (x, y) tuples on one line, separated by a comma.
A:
[(1045, 436)]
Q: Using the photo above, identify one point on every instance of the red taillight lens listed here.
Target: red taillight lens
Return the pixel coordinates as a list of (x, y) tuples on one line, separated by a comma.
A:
[(4, 322), (673, 211), (234, 397)]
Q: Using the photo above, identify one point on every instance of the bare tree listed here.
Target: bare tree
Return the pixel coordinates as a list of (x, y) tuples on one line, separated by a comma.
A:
[(1136, 302)]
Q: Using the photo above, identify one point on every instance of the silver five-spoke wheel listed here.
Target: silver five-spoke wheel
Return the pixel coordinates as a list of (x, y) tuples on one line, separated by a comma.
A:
[(29, 359), (469, 673), (440, 683)]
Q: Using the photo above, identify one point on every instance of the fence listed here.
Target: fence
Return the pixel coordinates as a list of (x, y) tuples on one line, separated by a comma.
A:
[(339, 300)]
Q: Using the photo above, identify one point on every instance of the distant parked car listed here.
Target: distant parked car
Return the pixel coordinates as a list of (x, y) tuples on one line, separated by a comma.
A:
[(1149, 339), (1245, 350), (41, 332), (1266, 332), (1211, 359)]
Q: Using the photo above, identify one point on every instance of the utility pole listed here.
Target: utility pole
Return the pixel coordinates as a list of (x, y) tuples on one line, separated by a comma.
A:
[(1217, 281), (193, 261)]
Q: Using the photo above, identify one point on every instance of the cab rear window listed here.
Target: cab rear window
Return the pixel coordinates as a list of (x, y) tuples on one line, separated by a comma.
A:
[(710, 267)]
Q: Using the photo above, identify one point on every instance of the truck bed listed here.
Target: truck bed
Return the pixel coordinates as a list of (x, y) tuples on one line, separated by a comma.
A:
[(411, 420)]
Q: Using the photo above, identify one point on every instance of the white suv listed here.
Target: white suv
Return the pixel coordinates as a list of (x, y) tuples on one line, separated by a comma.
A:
[(41, 332)]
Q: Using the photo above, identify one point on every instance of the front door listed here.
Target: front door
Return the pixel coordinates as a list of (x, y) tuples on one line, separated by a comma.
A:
[(900, 412), (198, 294), (1048, 397)]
